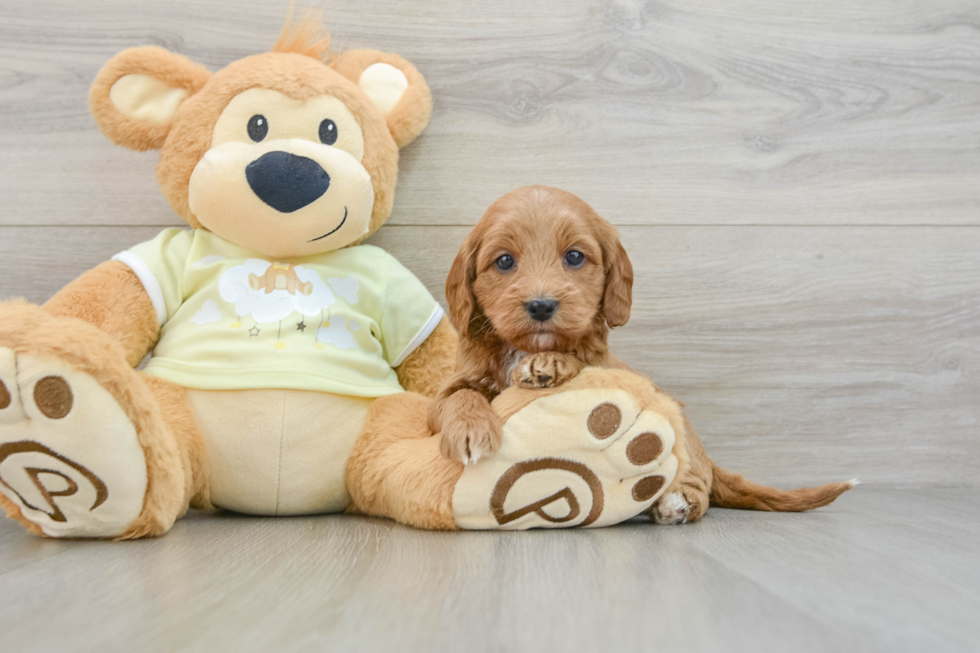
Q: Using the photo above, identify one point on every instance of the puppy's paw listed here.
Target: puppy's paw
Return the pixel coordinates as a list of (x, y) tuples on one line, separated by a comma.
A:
[(467, 440), (470, 428), (672, 508), (545, 370)]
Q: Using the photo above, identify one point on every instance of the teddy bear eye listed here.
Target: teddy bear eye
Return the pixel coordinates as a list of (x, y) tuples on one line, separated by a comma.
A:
[(258, 127), (328, 132)]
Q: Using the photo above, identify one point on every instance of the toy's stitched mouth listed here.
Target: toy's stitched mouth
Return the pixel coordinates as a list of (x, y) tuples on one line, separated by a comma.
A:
[(332, 230)]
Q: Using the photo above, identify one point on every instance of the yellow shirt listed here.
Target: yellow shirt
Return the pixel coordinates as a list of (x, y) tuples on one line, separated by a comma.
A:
[(337, 322)]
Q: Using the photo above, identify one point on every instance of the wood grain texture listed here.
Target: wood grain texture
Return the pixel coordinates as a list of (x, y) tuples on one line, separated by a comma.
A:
[(869, 573), (803, 354), (798, 185), (703, 112)]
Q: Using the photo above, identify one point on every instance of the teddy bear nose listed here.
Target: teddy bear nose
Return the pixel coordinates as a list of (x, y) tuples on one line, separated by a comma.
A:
[(286, 182)]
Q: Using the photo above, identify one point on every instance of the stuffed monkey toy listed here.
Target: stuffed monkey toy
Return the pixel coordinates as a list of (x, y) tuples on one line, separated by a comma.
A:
[(282, 348)]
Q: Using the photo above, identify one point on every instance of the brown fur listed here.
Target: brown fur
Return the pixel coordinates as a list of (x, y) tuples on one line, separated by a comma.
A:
[(97, 296), (305, 36), (431, 363), (537, 225), (731, 490), (390, 473), (172, 400), (395, 469)]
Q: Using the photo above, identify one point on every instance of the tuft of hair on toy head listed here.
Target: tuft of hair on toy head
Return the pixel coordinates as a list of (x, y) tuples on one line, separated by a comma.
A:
[(304, 36)]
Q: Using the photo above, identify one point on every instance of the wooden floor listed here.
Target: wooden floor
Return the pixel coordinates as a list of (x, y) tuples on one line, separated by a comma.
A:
[(798, 184), (881, 570)]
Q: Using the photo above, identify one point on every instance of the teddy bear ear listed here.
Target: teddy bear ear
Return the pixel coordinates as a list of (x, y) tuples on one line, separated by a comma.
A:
[(137, 93), (395, 87)]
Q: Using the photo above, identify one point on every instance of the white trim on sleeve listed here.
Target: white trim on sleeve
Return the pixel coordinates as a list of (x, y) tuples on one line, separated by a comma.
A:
[(420, 337), (143, 273)]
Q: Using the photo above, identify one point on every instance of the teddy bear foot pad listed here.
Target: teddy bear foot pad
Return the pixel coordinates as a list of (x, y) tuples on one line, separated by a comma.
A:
[(69, 456), (587, 458)]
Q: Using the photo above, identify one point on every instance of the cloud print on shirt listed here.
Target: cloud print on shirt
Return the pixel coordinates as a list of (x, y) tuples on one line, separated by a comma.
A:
[(337, 334), (209, 313), (346, 287), (265, 307)]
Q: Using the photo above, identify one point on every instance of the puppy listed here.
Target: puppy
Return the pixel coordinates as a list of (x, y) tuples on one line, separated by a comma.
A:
[(533, 292)]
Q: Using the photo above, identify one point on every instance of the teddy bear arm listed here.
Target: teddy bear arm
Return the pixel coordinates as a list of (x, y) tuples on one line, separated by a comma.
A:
[(112, 297), (431, 363)]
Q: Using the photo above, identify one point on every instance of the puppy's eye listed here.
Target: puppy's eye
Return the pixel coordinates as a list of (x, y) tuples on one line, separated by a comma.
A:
[(574, 258), (328, 132), (258, 127), (505, 262)]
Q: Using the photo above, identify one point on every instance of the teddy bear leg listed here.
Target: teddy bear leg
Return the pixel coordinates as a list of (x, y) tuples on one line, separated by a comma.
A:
[(85, 450), (395, 469), (599, 450)]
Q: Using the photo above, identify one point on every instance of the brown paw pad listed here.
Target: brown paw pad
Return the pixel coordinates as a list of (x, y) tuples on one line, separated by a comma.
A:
[(644, 449), (53, 397), (647, 487), (4, 396), (604, 420)]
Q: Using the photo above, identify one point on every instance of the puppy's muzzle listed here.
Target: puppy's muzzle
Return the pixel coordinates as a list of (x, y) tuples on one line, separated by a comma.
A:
[(541, 310), (287, 182)]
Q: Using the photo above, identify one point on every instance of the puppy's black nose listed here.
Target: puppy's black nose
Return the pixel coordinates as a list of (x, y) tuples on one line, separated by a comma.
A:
[(541, 310), (285, 181)]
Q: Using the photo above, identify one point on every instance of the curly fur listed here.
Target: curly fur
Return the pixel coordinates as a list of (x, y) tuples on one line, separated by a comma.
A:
[(536, 226)]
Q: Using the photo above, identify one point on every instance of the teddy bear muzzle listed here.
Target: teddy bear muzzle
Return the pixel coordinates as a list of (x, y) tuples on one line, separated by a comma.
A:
[(300, 198)]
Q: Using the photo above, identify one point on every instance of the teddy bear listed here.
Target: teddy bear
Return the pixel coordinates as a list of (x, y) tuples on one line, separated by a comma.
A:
[(290, 363)]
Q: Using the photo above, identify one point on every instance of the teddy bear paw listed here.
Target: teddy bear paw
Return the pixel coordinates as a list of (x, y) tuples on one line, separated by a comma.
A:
[(70, 460), (589, 457)]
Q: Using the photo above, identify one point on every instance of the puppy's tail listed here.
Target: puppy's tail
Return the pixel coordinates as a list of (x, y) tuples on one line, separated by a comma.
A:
[(730, 490)]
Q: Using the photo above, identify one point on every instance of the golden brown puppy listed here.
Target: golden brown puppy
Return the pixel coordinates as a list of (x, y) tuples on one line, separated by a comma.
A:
[(533, 292)]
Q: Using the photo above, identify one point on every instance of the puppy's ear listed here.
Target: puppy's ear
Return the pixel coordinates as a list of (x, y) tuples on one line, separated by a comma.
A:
[(459, 285), (137, 93), (394, 86), (618, 296)]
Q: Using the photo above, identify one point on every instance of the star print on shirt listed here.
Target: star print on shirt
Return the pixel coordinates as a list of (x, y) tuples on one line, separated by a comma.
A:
[(254, 332), (301, 325)]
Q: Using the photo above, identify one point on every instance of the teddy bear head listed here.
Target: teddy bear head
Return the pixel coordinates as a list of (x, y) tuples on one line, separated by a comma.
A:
[(289, 153)]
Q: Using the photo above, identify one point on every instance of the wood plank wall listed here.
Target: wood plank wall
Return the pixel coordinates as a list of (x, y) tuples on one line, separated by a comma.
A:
[(798, 184)]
